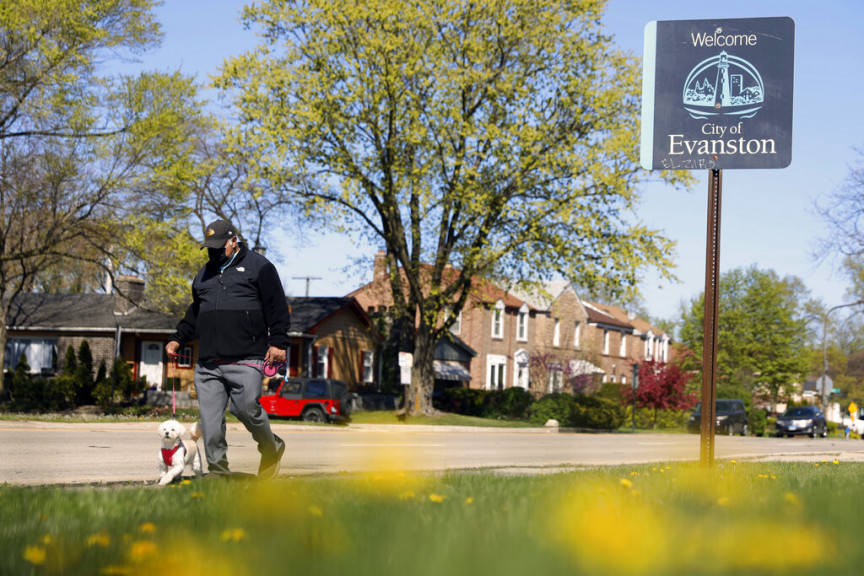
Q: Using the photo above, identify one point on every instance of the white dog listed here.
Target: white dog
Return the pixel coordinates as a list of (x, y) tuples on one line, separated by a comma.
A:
[(176, 453)]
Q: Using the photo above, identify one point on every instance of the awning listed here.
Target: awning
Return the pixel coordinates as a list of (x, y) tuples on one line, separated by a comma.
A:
[(450, 371), (583, 368)]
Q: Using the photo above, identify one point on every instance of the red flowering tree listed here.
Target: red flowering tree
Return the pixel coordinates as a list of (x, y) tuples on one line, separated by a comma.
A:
[(663, 386)]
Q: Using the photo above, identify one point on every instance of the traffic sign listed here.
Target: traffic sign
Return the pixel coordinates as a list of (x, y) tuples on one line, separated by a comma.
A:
[(717, 94)]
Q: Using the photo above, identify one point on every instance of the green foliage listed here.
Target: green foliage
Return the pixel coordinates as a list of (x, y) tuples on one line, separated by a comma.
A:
[(501, 138), (511, 403), (762, 334), (597, 413), (126, 386), (757, 421), (84, 375), (26, 394), (556, 406)]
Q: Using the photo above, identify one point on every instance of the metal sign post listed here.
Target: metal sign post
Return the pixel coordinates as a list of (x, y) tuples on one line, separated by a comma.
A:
[(709, 340), (716, 94)]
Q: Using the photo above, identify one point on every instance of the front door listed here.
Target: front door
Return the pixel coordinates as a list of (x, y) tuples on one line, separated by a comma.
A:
[(151, 363)]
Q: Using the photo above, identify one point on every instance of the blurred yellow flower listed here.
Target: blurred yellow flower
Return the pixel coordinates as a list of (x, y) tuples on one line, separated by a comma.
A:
[(147, 528), (836, 461), (142, 550), (185, 482), (102, 539), (114, 570), (315, 511), (233, 535), (723, 501), (469, 500), (438, 498), (197, 495), (792, 499), (626, 483), (35, 555), (407, 495), (47, 539)]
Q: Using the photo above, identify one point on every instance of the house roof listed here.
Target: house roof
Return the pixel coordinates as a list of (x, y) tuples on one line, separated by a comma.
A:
[(82, 312), (640, 325), (308, 313), (542, 297), (597, 315)]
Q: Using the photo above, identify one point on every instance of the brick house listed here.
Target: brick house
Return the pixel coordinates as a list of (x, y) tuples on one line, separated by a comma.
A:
[(487, 327), (43, 326), (333, 338), (543, 339)]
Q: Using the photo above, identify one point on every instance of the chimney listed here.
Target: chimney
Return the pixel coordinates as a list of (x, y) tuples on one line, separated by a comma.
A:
[(379, 267), (128, 295)]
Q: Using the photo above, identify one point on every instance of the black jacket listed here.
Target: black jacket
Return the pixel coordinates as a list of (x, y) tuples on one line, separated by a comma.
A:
[(239, 313)]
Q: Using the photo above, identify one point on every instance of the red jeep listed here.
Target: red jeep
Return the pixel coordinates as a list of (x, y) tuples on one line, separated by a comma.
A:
[(312, 399)]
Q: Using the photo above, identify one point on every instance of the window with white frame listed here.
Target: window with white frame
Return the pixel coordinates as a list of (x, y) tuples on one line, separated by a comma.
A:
[(520, 369), (556, 333), (522, 324), (184, 360), (577, 329), (498, 320), (456, 327), (649, 345), (41, 354), (322, 362), (622, 349), (368, 366), (556, 378), (496, 370), (605, 341)]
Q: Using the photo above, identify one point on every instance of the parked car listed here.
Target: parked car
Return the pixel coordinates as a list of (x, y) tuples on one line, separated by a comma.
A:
[(730, 418), (807, 420), (311, 399)]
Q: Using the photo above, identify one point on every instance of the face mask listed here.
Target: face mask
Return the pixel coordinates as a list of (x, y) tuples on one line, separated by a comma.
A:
[(217, 256)]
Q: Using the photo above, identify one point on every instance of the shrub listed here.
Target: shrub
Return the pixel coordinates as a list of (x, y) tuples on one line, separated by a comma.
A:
[(555, 406), (758, 421), (465, 401), (511, 403), (597, 412)]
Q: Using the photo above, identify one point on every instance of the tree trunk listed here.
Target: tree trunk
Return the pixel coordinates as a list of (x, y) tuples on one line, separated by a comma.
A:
[(419, 398)]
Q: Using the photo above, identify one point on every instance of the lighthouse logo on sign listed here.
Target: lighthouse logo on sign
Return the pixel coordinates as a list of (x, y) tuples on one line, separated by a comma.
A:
[(723, 85)]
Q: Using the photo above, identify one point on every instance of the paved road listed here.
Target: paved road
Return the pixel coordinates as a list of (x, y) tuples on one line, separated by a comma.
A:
[(40, 453)]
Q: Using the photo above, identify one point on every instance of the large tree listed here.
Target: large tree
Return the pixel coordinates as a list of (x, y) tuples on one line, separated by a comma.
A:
[(73, 142), (500, 137), (762, 332)]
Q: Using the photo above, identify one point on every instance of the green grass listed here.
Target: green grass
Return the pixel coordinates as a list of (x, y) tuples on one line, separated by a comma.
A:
[(676, 519)]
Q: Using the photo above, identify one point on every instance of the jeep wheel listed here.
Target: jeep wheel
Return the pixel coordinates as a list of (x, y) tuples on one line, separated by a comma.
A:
[(314, 414)]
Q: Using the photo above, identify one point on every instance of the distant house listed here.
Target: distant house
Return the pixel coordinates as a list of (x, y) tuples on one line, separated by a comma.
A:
[(333, 338), (42, 326)]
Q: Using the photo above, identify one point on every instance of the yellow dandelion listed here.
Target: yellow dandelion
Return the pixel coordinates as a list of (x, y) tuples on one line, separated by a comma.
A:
[(196, 495), (47, 539), (723, 501), (100, 539), (142, 550), (233, 535), (35, 555), (147, 528), (469, 500), (634, 473), (316, 511), (626, 483), (733, 461), (836, 461), (792, 499), (437, 498), (407, 495), (185, 482)]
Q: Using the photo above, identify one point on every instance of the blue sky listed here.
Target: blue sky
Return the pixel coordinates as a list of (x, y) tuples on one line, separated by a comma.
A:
[(768, 216)]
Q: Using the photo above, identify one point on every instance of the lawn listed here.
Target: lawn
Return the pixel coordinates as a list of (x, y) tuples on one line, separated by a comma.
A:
[(736, 518)]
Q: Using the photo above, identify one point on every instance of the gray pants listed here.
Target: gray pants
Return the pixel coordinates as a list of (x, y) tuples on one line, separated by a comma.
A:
[(218, 383)]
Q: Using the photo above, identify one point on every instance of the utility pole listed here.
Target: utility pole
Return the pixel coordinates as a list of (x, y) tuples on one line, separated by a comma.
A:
[(307, 278), (824, 380)]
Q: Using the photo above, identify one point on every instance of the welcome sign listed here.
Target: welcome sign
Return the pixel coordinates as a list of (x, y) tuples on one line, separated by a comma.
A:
[(717, 94)]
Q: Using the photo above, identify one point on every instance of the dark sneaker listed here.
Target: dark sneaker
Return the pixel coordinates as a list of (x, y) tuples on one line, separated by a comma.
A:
[(270, 465)]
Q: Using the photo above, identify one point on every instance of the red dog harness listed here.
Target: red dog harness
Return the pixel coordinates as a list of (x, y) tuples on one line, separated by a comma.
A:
[(168, 455)]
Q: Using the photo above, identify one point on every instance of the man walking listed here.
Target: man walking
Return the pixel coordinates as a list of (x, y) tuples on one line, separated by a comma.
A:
[(240, 317)]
